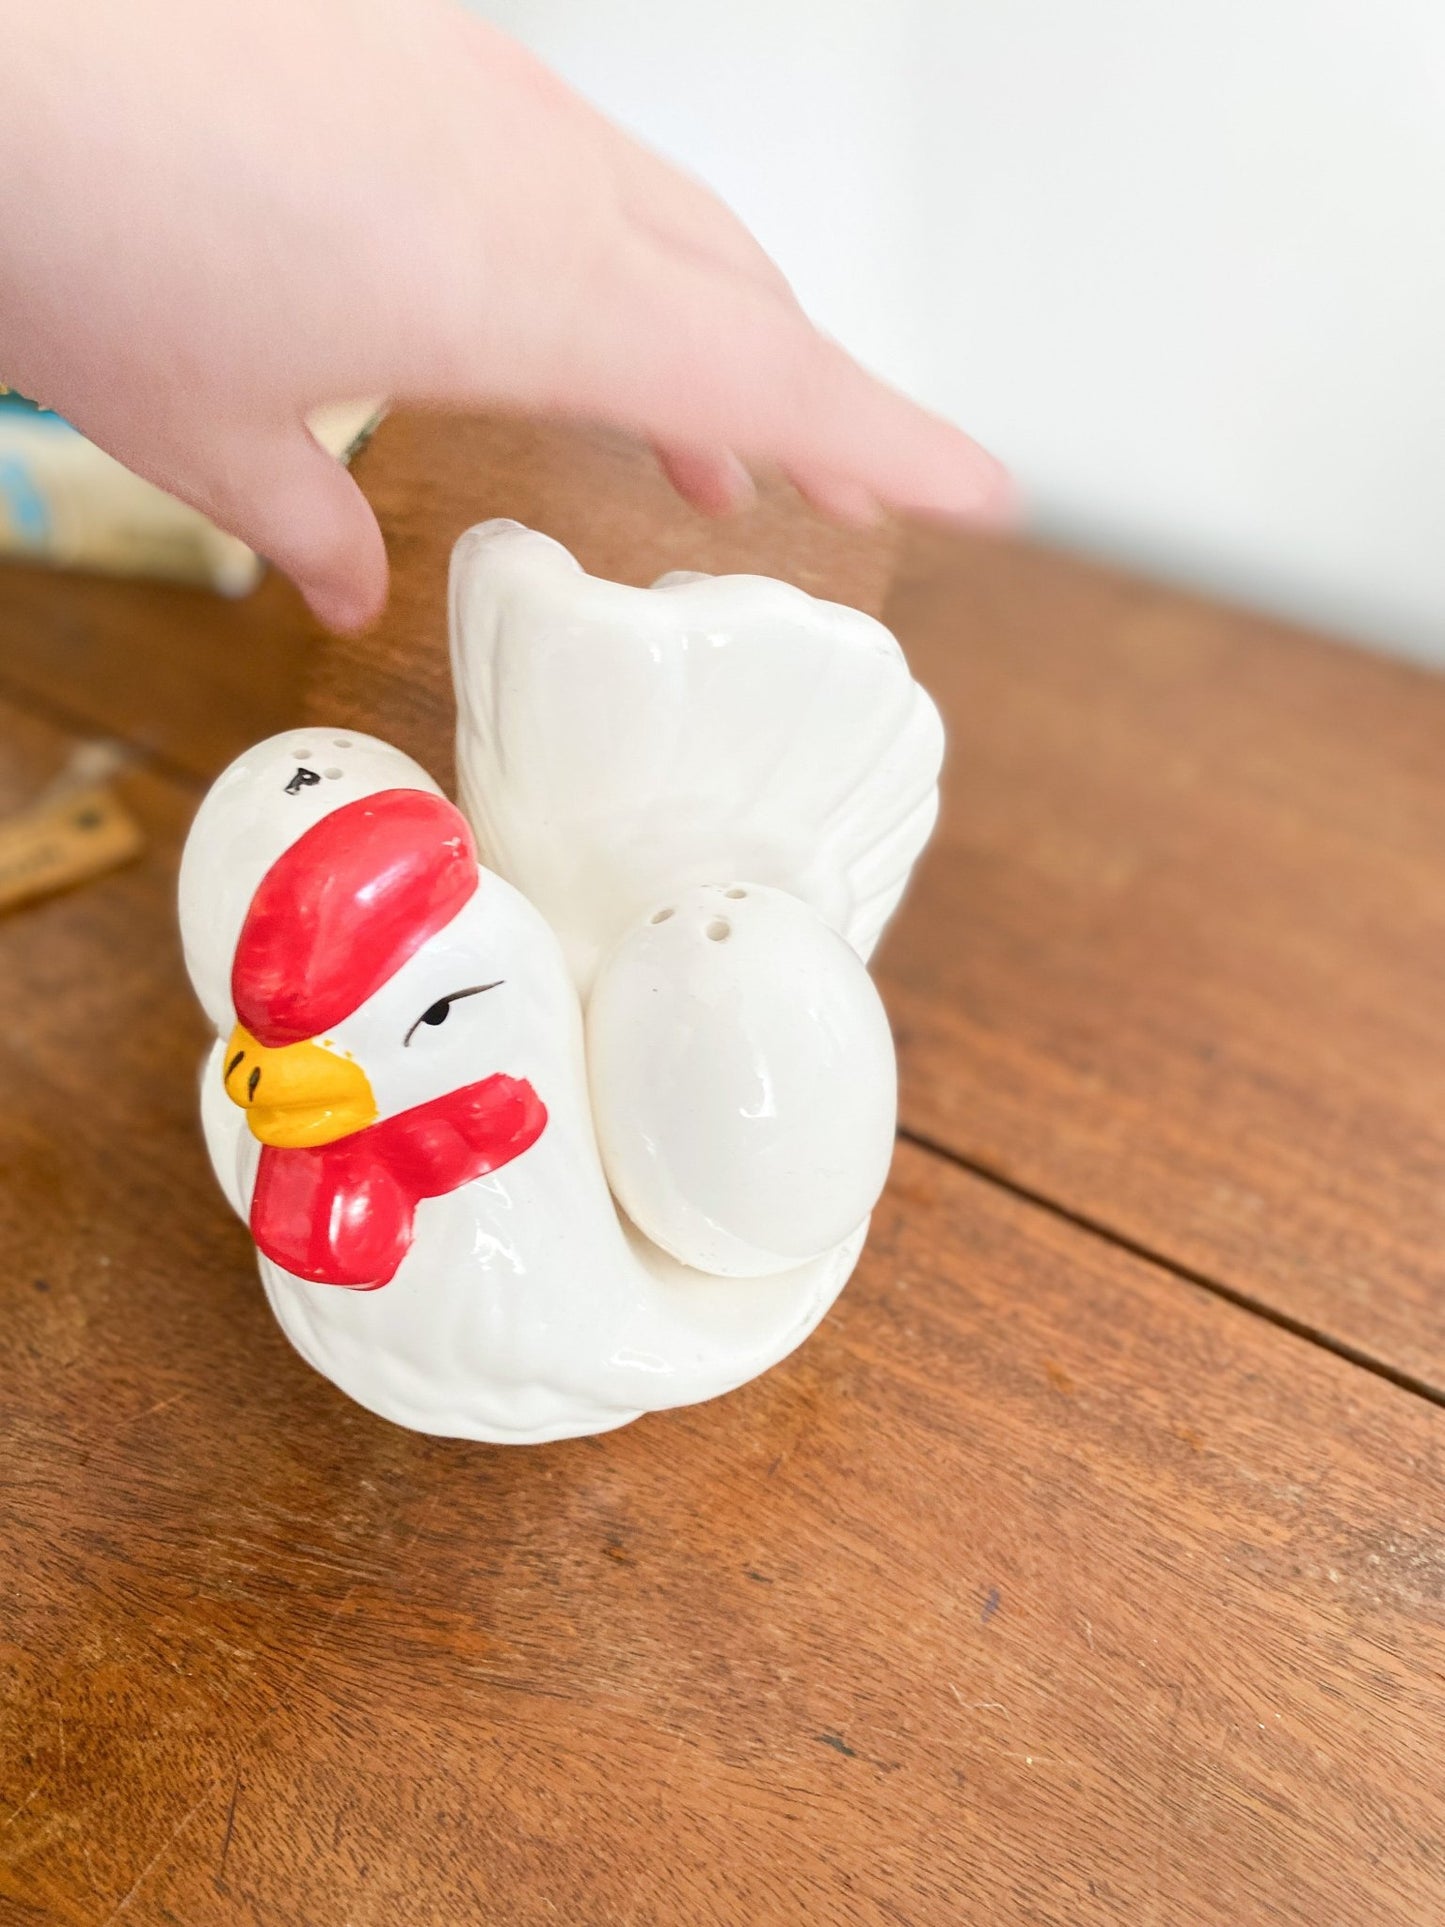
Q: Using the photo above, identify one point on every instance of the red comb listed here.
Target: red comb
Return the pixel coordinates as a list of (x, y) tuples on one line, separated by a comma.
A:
[(344, 907)]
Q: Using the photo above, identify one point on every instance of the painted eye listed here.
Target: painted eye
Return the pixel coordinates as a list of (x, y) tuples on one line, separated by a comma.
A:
[(439, 1012)]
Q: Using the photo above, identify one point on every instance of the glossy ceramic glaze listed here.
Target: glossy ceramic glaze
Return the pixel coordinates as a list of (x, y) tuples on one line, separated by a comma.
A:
[(532, 1144), (758, 1130)]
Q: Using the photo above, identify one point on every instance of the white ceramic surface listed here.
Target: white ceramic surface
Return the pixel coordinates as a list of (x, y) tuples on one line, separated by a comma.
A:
[(623, 753), (756, 1130)]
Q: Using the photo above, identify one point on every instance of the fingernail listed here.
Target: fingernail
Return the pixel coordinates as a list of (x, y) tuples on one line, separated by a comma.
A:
[(340, 608)]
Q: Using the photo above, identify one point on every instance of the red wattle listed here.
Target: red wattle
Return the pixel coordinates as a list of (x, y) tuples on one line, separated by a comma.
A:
[(343, 1213)]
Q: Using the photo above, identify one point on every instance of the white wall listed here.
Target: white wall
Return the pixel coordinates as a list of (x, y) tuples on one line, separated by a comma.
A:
[(1181, 262)]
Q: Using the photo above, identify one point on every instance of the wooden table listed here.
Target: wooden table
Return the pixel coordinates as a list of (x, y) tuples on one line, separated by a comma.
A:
[(1087, 1566)]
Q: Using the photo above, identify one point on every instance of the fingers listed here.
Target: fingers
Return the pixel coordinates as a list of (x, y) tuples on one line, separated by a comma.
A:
[(296, 505), (685, 217), (713, 480), (620, 291), (839, 499), (685, 351)]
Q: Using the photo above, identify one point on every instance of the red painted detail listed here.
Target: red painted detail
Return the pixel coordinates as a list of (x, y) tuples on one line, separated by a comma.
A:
[(346, 905), (343, 1213)]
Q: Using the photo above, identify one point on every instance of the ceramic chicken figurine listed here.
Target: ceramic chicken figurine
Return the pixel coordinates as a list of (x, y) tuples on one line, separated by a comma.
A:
[(532, 1148)]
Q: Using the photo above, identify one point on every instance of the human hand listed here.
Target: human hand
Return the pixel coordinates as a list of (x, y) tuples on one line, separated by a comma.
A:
[(220, 218)]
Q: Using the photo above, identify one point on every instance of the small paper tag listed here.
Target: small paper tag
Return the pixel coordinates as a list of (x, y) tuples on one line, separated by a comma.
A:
[(64, 842)]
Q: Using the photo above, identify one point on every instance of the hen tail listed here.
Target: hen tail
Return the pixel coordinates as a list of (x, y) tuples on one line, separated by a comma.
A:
[(617, 745)]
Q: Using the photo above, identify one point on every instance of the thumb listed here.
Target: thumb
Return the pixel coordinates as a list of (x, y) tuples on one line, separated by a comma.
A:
[(295, 504)]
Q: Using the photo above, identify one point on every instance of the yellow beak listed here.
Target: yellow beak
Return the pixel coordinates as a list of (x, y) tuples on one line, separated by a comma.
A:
[(298, 1095)]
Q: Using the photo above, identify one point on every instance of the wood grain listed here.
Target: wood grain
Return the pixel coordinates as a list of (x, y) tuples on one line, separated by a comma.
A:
[(1040, 1587), (183, 674), (1175, 957)]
